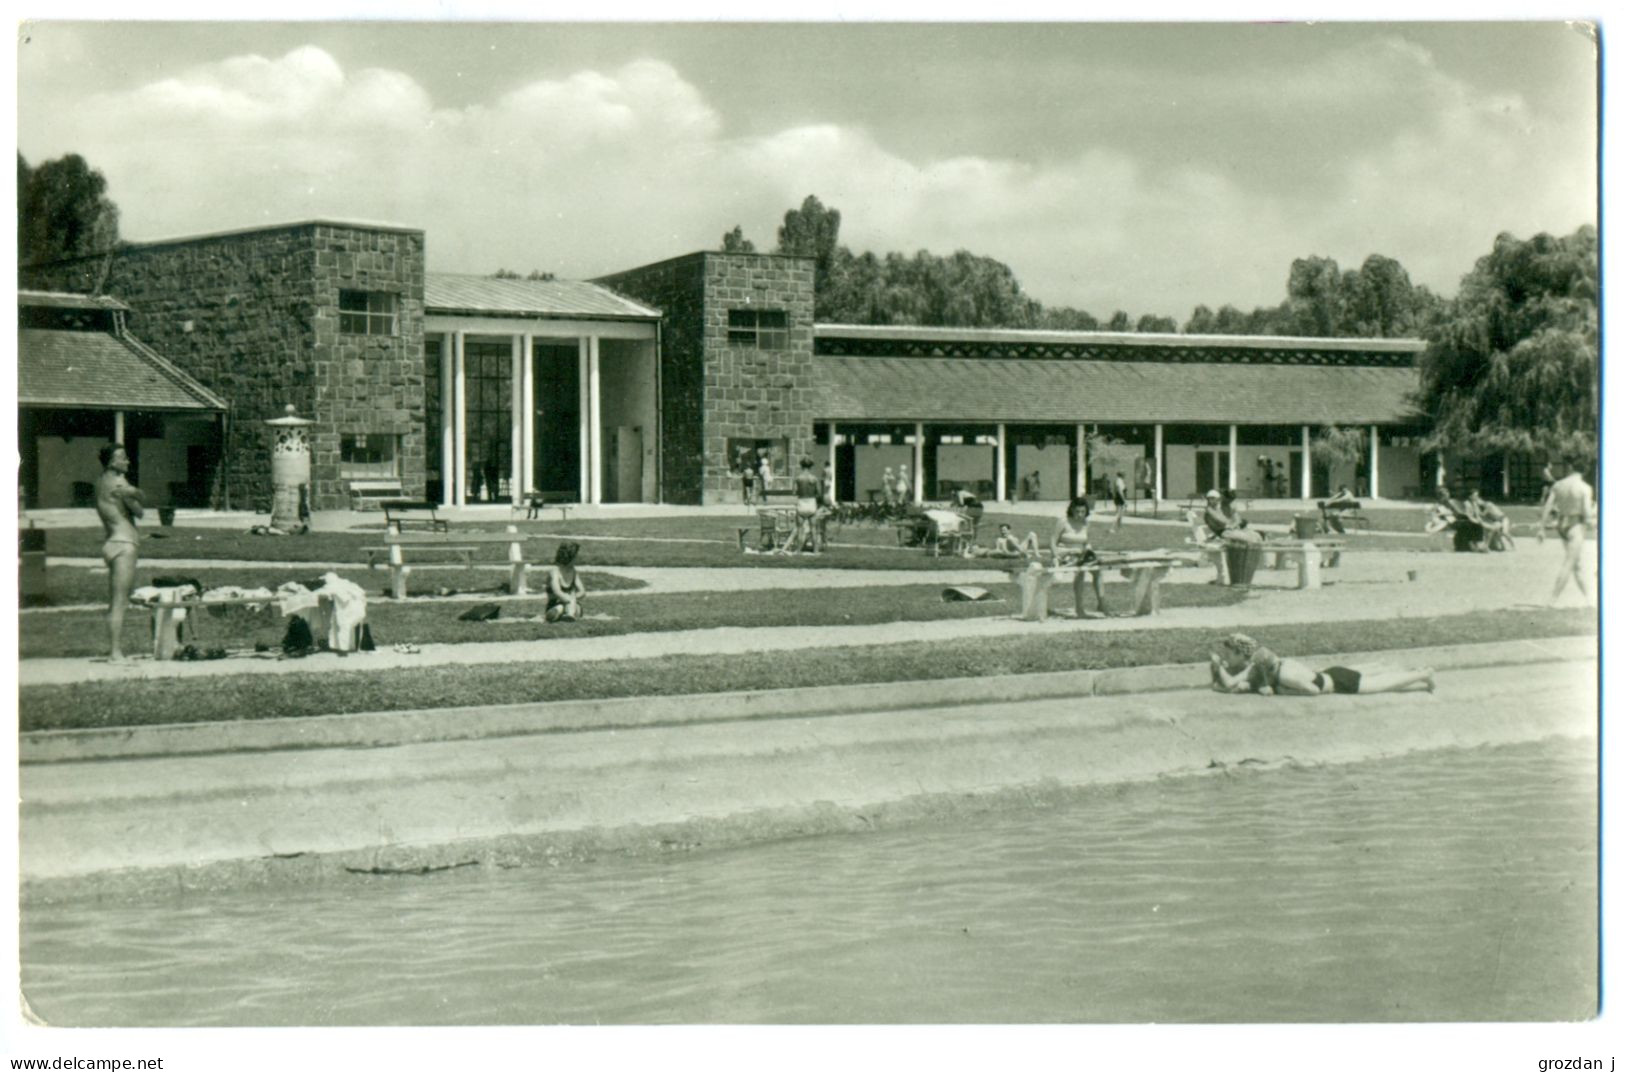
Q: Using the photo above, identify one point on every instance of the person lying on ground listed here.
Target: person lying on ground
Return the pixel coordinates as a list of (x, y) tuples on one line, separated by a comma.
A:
[(1007, 546), (1070, 546), (564, 587), (1247, 666)]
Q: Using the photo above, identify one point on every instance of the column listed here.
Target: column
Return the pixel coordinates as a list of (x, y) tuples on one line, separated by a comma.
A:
[(516, 418), (449, 477), (1371, 465), (118, 426), (459, 414), (1081, 485), (1506, 476), (1232, 474), (1157, 461), (1306, 470), (595, 427), (833, 436), (998, 467), (584, 395), (919, 463), (527, 402)]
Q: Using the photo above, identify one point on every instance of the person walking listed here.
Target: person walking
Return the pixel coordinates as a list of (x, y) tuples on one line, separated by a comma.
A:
[(1571, 506), (118, 505), (1119, 496)]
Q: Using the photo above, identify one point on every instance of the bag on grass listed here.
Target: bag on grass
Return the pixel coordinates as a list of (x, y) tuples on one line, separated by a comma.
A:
[(480, 612)]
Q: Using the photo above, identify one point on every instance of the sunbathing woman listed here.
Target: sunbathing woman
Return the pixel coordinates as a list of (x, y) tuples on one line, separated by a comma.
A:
[(564, 587), (1070, 545), (1007, 546), (1245, 666)]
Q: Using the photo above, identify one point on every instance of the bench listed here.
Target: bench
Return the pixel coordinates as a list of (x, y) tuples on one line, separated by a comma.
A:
[(1354, 517), (533, 503), (396, 546), (776, 526), (398, 513), (1307, 555), (1145, 571), (168, 614), (371, 494)]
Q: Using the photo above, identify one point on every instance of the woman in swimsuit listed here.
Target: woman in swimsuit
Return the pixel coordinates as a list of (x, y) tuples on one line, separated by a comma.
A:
[(564, 587), (1070, 546), (1245, 666), (807, 491)]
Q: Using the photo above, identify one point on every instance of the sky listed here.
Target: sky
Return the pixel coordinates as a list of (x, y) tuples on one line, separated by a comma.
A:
[(1143, 167)]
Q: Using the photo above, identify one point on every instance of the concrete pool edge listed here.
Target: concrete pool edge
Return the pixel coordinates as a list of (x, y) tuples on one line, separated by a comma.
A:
[(390, 728), (211, 823)]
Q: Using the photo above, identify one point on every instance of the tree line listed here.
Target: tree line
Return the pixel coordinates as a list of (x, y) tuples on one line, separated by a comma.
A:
[(1512, 362)]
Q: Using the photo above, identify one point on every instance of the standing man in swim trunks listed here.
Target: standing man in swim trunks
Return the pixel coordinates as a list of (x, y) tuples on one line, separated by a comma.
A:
[(118, 504), (1571, 506)]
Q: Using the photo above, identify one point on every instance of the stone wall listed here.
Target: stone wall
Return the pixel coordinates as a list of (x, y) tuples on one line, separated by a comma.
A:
[(712, 391), (254, 317)]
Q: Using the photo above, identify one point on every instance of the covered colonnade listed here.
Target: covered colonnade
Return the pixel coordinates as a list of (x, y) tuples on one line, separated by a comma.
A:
[(1021, 415)]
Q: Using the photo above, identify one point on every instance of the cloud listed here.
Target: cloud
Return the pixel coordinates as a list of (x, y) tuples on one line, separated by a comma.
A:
[(602, 170)]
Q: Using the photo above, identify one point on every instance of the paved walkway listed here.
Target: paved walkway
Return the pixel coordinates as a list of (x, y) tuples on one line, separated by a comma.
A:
[(1373, 585)]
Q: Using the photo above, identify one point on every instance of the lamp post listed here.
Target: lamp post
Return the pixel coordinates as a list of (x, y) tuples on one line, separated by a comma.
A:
[(290, 471)]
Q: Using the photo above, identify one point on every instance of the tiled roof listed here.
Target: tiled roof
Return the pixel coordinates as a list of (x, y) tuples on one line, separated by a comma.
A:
[(51, 299), (95, 370), (563, 298), (1152, 339), (955, 389)]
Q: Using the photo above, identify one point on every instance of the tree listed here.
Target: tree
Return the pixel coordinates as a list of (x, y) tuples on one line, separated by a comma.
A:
[(1118, 322), (1314, 289), (812, 231), (1150, 323), (1380, 302), (1202, 321), (63, 210), (735, 241), (1514, 363), (505, 273)]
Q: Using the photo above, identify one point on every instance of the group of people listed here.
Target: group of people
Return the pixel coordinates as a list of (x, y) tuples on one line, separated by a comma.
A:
[(755, 469), (896, 488), (1474, 523)]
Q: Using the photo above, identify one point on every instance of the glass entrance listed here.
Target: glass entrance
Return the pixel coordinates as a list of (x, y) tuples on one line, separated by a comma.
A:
[(488, 381), (557, 375)]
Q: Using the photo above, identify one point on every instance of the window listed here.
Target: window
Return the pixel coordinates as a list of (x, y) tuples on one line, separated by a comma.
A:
[(763, 329), (366, 312), (364, 455)]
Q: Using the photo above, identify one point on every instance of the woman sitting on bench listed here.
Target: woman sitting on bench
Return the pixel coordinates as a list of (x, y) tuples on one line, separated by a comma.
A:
[(1070, 546), (564, 587), (1332, 509)]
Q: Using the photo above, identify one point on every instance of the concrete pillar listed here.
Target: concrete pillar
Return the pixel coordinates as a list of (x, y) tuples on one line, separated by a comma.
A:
[(833, 436), (1081, 486), (448, 449), (516, 420), (595, 425), (1372, 465), (1306, 469), (527, 404), (1231, 478), (919, 463), (998, 468), (118, 426), (584, 404), (1156, 463), (459, 413)]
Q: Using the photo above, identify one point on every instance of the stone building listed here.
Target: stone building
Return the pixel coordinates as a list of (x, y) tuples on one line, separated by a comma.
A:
[(655, 384)]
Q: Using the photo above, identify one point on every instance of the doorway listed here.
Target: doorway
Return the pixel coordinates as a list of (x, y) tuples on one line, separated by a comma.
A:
[(1212, 471), (556, 370)]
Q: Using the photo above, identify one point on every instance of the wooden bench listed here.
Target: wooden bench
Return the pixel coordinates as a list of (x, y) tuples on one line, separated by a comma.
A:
[(396, 546), (1353, 517), (534, 503), (1145, 571), (398, 513), (371, 494)]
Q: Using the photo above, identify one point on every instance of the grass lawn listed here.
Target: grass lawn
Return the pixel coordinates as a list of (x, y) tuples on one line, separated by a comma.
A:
[(131, 703), (81, 633)]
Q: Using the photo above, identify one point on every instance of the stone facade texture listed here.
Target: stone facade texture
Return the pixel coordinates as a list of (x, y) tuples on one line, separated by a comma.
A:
[(254, 316), (713, 390)]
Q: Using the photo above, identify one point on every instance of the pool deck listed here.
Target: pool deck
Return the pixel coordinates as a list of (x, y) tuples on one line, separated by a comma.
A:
[(556, 782)]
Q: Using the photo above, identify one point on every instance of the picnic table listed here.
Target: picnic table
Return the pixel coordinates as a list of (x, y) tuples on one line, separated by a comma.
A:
[(397, 545), (1145, 569)]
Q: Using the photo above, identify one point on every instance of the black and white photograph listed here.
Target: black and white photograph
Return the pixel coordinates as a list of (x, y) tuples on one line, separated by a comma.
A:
[(824, 523)]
